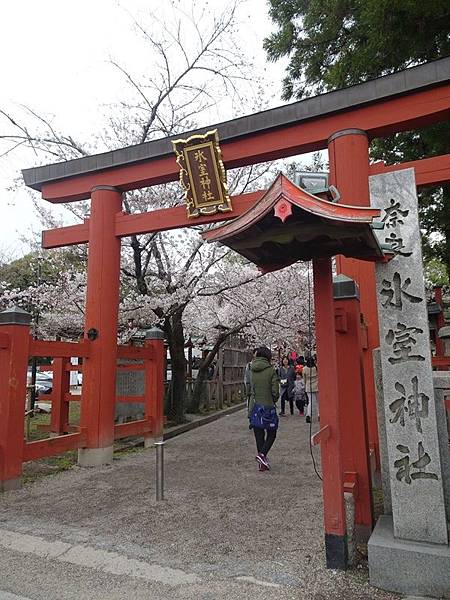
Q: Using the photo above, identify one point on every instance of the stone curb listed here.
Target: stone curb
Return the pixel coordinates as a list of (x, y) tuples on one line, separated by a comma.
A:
[(179, 429)]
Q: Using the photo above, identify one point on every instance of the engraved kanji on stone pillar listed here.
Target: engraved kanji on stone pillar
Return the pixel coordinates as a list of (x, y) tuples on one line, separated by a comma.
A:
[(415, 471)]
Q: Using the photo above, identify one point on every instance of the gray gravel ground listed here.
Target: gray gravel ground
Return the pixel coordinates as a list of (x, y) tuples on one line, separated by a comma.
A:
[(238, 533)]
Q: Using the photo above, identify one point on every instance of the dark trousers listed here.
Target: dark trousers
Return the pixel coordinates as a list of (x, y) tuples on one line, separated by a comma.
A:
[(300, 403), (264, 439), (284, 397)]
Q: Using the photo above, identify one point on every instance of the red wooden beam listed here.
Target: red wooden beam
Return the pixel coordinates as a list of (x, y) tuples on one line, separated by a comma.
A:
[(440, 361), (47, 427), (403, 113), (135, 352), (52, 446), (59, 349), (66, 236), (130, 399), (155, 220), (133, 428), (428, 171), (61, 386), (68, 397), (173, 218), (132, 367), (351, 483), (321, 436), (70, 367)]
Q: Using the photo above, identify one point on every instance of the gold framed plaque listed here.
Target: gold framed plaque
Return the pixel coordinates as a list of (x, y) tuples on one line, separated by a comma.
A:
[(202, 174)]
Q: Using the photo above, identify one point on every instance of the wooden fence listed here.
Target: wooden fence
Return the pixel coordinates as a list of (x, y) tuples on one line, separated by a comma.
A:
[(227, 385)]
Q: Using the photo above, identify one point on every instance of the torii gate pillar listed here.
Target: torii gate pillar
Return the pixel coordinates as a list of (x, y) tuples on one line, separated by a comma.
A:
[(329, 435), (348, 153), (102, 307)]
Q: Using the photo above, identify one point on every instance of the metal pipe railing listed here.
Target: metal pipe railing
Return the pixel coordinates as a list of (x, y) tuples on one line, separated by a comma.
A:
[(159, 470)]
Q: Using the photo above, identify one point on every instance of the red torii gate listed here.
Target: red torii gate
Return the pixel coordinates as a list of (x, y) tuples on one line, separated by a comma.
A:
[(344, 121)]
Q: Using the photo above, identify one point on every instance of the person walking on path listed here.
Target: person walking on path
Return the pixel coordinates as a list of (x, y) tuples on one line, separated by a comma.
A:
[(299, 364), (299, 394), (311, 387), (264, 391), (286, 374)]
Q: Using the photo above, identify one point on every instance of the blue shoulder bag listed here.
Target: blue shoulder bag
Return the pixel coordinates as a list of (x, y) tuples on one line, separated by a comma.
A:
[(264, 417), (261, 417)]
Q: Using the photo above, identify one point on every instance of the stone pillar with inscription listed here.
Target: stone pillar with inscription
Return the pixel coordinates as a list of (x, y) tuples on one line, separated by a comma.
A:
[(419, 519)]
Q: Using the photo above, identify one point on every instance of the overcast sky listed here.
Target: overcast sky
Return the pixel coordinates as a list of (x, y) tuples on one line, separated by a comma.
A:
[(55, 60)]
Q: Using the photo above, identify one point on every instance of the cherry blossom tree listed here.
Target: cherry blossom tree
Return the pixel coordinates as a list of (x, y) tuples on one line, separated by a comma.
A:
[(191, 65), (265, 308)]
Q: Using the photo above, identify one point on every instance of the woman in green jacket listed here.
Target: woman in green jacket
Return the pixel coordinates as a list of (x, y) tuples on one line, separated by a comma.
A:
[(263, 392)]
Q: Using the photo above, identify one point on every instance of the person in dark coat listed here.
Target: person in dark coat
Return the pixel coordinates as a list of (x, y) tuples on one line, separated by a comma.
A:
[(263, 392), (286, 373), (299, 364)]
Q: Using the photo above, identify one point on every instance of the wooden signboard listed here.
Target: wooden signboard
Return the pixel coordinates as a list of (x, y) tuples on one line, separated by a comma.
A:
[(202, 174)]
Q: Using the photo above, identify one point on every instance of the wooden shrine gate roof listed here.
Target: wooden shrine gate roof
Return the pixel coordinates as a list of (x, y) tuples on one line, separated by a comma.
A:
[(289, 224)]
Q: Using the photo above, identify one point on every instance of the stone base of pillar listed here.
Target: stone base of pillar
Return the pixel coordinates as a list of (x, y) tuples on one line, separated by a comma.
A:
[(362, 533), (336, 551), (11, 484), (407, 567), (350, 525), (95, 457)]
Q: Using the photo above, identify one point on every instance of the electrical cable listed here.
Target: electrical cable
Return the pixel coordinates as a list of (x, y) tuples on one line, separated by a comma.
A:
[(310, 382)]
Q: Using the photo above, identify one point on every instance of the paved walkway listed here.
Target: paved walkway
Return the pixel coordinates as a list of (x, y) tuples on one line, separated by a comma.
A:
[(225, 531)]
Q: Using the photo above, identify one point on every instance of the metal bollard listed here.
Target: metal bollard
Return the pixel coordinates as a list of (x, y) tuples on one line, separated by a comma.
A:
[(159, 470)]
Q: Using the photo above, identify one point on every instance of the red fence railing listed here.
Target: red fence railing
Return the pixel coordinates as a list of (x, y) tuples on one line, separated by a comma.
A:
[(64, 436), (441, 363), (16, 348)]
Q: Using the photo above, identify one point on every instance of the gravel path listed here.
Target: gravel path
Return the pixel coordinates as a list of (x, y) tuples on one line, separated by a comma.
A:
[(225, 531)]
